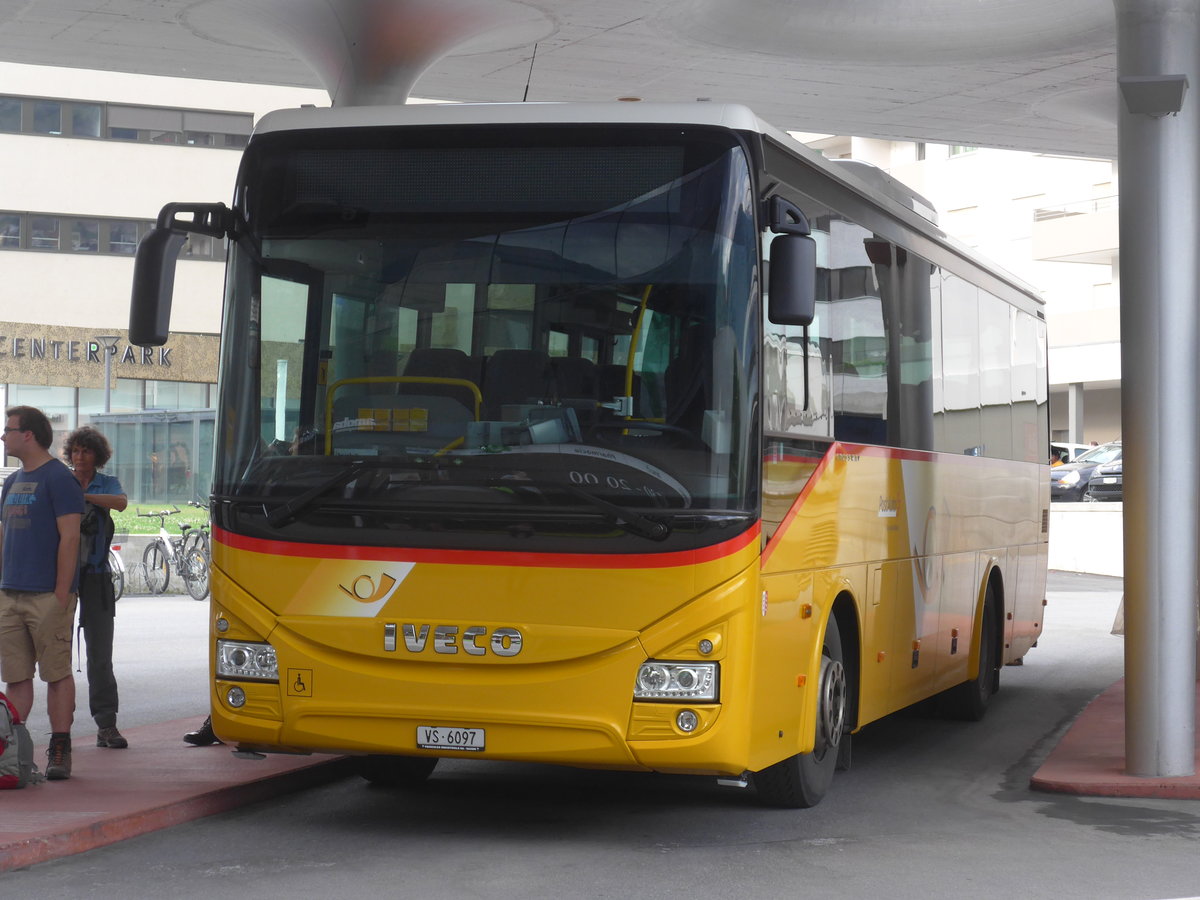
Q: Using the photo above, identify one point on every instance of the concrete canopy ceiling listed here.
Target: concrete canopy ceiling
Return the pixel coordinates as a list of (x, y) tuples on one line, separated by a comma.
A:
[(1019, 74)]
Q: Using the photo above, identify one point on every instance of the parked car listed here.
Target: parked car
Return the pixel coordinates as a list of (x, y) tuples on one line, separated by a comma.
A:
[(1105, 483), (1069, 452), (1070, 480)]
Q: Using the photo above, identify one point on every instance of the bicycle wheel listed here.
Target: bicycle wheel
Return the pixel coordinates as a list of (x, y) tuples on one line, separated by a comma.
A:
[(118, 575), (157, 566), (195, 573), (196, 540)]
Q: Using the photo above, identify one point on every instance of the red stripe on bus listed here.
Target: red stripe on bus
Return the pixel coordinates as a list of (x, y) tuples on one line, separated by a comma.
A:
[(795, 507), (492, 557)]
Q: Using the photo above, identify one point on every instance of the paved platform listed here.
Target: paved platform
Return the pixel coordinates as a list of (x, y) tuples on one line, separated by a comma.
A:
[(157, 782), (160, 781), (1090, 758)]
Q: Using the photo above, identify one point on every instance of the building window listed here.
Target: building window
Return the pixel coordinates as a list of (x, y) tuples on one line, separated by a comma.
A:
[(66, 234), (960, 150), (127, 395), (113, 121), (10, 114), (10, 232), (47, 117), (122, 237), (85, 236), (197, 246), (43, 232), (58, 403), (85, 120), (176, 395)]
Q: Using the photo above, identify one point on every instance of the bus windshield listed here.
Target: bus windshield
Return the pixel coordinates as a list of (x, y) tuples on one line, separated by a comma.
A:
[(452, 337)]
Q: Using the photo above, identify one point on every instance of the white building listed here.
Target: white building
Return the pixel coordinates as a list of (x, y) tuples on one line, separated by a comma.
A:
[(1051, 220), (89, 160)]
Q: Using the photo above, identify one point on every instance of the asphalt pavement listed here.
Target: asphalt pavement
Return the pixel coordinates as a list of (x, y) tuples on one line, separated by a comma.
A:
[(161, 781)]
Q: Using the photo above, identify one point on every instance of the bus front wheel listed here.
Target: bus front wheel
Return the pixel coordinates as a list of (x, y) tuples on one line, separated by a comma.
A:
[(800, 781), (396, 771)]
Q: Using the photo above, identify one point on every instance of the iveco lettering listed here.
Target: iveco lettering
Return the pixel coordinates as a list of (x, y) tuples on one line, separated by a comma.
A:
[(475, 641)]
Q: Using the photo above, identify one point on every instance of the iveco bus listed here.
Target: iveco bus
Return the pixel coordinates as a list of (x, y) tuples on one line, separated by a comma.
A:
[(628, 436)]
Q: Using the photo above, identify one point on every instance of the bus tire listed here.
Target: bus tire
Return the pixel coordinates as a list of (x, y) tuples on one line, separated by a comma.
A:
[(396, 771), (801, 781), (969, 701)]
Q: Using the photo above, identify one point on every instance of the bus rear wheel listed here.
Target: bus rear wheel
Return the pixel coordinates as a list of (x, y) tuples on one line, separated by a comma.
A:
[(396, 771), (969, 701), (801, 781)]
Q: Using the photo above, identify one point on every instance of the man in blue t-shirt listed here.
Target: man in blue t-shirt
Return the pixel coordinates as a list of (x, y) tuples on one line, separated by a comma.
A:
[(41, 505)]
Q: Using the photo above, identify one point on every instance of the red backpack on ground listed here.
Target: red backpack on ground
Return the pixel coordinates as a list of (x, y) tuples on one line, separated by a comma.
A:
[(17, 768)]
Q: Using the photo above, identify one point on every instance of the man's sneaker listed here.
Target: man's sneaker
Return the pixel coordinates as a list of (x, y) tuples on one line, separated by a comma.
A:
[(110, 737), (58, 758), (202, 736)]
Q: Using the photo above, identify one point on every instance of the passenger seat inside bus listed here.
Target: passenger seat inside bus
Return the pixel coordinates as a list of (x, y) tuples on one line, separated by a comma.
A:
[(514, 378), (442, 362), (578, 383)]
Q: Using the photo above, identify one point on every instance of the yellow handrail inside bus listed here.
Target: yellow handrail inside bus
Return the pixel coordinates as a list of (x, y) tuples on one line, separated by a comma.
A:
[(633, 342), (476, 394)]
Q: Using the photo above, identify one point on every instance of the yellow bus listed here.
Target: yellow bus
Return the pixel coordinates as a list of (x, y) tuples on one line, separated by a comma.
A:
[(623, 436)]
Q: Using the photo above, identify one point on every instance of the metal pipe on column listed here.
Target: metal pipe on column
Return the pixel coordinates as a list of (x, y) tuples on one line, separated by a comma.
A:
[(1075, 401), (1158, 50)]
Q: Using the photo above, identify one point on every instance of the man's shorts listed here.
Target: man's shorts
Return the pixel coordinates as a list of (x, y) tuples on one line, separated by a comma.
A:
[(34, 628)]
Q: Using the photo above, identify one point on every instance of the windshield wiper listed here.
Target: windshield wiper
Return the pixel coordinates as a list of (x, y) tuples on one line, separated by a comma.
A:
[(287, 512), (634, 523)]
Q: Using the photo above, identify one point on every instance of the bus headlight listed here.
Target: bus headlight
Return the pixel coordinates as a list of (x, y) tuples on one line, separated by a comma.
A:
[(658, 680), (243, 659)]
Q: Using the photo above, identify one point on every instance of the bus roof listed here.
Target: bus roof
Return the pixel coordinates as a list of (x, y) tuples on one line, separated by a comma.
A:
[(868, 181), (724, 115), (721, 115)]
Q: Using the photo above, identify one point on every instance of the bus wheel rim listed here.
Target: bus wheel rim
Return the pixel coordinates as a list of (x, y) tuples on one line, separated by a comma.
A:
[(831, 709)]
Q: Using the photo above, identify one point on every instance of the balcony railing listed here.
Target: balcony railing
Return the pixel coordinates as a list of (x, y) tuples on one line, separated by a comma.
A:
[(1077, 208)]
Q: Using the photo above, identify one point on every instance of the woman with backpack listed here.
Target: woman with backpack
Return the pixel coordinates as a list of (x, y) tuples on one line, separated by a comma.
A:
[(87, 450)]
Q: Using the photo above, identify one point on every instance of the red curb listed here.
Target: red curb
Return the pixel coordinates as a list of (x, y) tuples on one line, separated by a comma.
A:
[(158, 782), (1090, 758)]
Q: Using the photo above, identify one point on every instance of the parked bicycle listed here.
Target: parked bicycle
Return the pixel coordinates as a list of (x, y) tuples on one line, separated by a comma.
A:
[(183, 553), (117, 566), (198, 536)]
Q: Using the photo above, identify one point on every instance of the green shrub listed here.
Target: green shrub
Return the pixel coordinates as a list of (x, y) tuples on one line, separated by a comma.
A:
[(129, 522)]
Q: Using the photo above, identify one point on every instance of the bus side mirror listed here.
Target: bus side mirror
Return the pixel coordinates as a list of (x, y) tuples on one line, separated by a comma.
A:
[(792, 292), (153, 286), (154, 266)]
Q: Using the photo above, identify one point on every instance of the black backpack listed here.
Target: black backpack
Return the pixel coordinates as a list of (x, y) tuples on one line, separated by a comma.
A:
[(96, 519)]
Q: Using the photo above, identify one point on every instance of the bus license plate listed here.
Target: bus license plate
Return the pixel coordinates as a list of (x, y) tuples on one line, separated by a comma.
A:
[(439, 737)]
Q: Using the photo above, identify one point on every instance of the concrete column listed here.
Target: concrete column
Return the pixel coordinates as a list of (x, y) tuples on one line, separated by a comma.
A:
[(1158, 41), (1075, 413)]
